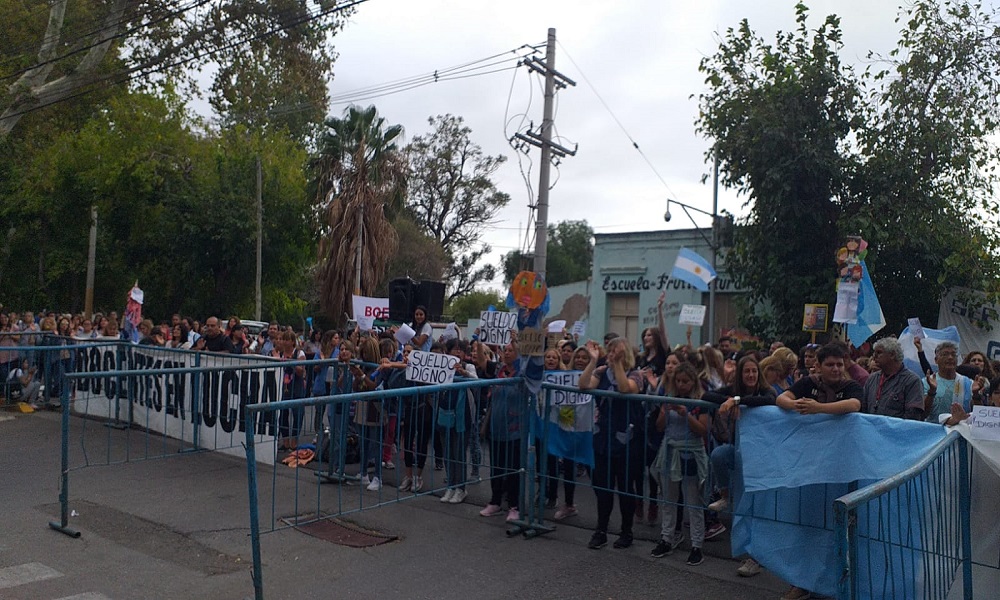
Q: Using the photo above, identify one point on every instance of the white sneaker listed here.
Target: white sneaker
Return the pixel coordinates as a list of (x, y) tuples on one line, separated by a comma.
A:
[(447, 495), (458, 497), (375, 485), (365, 481), (404, 486), (418, 484), (749, 568)]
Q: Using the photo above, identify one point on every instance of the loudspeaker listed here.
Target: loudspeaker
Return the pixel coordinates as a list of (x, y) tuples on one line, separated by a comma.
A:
[(431, 295), (401, 295)]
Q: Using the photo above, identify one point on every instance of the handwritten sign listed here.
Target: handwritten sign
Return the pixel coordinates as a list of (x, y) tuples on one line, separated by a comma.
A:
[(552, 340), (531, 342), (569, 379), (693, 314), (984, 424), (495, 327), (431, 367), (579, 329), (916, 328), (814, 317)]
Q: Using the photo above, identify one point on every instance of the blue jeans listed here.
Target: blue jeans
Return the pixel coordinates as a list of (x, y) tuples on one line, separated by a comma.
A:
[(723, 463), (370, 446), (336, 414), (454, 457)]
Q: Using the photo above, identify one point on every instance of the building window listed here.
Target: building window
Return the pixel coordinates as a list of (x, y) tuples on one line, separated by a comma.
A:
[(623, 315)]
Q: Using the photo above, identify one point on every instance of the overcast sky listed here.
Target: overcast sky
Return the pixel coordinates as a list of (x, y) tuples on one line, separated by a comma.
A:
[(641, 56)]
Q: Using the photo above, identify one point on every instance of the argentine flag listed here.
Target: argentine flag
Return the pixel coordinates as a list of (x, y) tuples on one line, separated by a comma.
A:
[(569, 428), (693, 269)]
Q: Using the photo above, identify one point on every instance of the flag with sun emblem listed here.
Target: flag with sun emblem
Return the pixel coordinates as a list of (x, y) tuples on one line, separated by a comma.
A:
[(691, 268)]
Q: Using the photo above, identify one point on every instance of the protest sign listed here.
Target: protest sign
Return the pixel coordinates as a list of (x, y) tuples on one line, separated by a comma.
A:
[(552, 340), (557, 326), (431, 367), (985, 423), (916, 328), (579, 329), (404, 334), (450, 332), (495, 326), (814, 317), (531, 342), (367, 309), (693, 314), (570, 379)]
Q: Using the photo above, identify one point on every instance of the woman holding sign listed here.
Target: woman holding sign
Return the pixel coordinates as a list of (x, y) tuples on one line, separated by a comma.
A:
[(422, 330), (617, 436)]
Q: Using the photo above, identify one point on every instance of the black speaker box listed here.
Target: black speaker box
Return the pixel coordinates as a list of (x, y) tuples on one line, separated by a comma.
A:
[(401, 299), (431, 295)]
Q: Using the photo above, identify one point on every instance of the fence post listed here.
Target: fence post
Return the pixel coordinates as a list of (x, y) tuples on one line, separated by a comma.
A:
[(63, 525), (965, 510), (258, 582), (844, 565), (196, 404)]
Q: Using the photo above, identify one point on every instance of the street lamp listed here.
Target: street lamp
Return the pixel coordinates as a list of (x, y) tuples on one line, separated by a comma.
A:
[(713, 243)]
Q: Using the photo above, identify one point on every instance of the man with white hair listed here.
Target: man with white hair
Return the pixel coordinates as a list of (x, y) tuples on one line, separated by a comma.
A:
[(948, 390), (893, 390)]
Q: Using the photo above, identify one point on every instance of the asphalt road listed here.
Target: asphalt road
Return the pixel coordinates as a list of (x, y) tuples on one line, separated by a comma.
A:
[(177, 527)]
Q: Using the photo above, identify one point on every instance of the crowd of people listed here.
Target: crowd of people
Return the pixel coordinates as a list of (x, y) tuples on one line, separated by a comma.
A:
[(659, 458)]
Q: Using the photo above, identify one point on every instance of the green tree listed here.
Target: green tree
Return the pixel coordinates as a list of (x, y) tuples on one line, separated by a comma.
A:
[(472, 304), (418, 255), (176, 211), (360, 180), (778, 117), (453, 198), (901, 156), (274, 56), (569, 254)]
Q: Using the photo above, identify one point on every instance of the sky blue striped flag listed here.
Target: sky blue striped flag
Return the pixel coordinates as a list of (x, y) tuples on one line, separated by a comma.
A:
[(691, 268)]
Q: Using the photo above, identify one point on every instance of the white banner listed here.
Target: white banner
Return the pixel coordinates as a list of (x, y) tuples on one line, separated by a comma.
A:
[(569, 379), (367, 310), (166, 403), (431, 367), (971, 322)]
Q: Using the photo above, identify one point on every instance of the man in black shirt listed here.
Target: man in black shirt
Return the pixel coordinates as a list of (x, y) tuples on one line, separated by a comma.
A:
[(831, 391), (212, 339)]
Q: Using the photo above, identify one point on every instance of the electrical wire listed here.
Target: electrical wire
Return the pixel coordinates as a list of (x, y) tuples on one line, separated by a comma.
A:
[(140, 71), (620, 125), (97, 42)]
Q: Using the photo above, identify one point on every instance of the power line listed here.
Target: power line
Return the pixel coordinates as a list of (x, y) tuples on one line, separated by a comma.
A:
[(620, 125), (140, 71), (97, 42)]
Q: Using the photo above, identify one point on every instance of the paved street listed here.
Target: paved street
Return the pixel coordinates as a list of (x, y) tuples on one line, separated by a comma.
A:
[(178, 528)]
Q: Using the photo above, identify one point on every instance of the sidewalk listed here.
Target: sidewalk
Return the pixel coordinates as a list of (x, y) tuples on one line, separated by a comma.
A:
[(178, 527)]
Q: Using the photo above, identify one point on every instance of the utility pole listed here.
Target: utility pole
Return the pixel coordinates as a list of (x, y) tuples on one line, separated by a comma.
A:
[(712, 334), (88, 299), (260, 235), (553, 79)]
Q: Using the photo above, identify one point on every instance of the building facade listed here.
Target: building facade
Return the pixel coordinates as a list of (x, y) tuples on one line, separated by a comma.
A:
[(630, 271)]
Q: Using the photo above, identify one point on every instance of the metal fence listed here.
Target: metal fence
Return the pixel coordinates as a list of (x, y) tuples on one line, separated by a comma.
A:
[(908, 536)]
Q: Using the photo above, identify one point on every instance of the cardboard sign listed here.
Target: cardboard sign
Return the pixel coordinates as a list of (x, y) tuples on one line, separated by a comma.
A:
[(495, 327), (431, 367), (552, 340), (693, 314), (814, 317), (531, 342), (984, 424), (366, 310), (916, 328)]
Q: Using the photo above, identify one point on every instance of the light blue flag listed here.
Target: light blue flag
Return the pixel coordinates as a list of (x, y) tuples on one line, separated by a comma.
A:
[(870, 317), (691, 268), (569, 428), (790, 469)]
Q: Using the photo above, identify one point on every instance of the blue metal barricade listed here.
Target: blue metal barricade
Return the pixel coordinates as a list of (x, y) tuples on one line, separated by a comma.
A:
[(909, 535)]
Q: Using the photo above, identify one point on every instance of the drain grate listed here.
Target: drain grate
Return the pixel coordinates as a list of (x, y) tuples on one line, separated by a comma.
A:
[(338, 531)]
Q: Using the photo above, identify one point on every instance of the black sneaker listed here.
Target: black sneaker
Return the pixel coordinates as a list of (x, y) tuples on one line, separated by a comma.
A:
[(551, 502), (623, 541), (695, 558), (598, 540), (662, 549)]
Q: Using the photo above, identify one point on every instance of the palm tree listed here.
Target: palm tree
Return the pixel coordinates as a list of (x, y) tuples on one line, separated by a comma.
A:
[(360, 185)]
